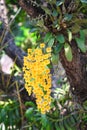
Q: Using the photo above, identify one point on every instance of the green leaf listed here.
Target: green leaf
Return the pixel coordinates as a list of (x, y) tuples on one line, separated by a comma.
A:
[(82, 35), (47, 37), (29, 113), (44, 120), (68, 17), (51, 42), (85, 105), (58, 48), (61, 126), (51, 1), (81, 45), (47, 10), (72, 120), (30, 103), (49, 126), (33, 30), (58, 3), (81, 42), (54, 59), (55, 13), (68, 52), (66, 125), (69, 35), (60, 38), (57, 126), (83, 1)]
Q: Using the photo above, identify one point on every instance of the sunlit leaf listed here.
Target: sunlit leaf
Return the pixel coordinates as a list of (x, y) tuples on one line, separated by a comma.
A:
[(83, 1), (68, 52), (60, 2), (69, 35)]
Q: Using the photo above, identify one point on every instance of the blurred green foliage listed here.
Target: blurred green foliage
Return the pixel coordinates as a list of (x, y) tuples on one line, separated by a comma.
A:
[(26, 39), (9, 115), (24, 34)]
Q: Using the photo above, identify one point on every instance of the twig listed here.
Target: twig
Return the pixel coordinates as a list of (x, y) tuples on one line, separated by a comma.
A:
[(19, 98), (18, 11)]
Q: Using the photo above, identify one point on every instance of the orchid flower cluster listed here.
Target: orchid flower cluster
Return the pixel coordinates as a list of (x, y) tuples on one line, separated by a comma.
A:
[(37, 76)]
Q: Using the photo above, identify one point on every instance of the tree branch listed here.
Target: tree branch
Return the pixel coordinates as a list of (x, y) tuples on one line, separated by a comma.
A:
[(11, 49), (7, 39), (31, 9), (76, 72)]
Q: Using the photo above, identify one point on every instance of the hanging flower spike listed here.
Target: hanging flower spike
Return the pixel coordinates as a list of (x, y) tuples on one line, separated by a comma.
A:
[(37, 76)]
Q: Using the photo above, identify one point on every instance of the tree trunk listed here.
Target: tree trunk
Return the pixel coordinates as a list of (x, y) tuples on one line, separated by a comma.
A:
[(3, 13), (76, 73)]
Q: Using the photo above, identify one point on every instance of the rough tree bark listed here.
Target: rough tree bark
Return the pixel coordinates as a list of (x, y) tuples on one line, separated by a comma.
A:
[(76, 70), (76, 73), (3, 13)]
